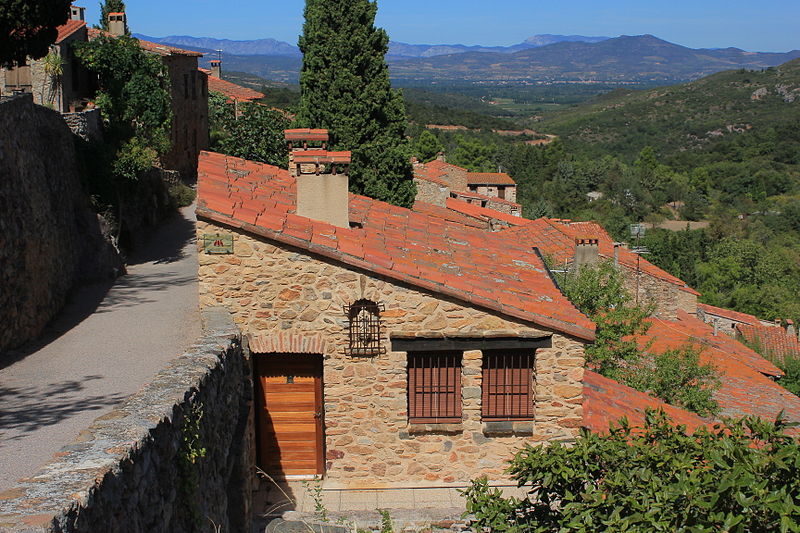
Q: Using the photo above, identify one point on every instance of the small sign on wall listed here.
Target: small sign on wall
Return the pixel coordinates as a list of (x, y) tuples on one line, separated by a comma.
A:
[(217, 244)]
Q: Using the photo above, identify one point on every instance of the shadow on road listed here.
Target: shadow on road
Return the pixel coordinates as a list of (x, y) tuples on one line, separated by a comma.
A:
[(167, 244), (25, 409)]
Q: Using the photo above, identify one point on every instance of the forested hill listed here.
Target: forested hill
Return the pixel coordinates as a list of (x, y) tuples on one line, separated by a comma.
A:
[(683, 118)]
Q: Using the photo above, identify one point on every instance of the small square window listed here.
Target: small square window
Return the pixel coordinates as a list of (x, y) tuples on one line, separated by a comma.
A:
[(364, 319)]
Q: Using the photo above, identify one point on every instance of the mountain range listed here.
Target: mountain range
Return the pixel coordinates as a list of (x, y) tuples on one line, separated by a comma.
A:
[(541, 59), (271, 47)]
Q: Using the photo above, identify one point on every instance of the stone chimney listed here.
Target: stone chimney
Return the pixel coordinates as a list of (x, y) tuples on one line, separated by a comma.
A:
[(77, 13), (790, 329), (617, 246), (216, 68), (117, 24), (322, 177), (587, 252)]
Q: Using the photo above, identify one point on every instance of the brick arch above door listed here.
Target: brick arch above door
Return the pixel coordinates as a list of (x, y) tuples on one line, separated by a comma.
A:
[(287, 342)]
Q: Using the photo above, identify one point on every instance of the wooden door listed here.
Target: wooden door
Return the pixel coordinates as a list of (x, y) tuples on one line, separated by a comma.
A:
[(289, 414)]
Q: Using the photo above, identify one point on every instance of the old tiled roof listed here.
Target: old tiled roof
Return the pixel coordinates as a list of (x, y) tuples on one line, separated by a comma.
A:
[(421, 172), (231, 90), (489, 178), (556, 238), (306, 134), (67, 29), (747, 379), (449, 214), (736, 316), (606, 401), (771, 340), (438, 167), (322, 156), (483, 197), (147, 46), (426, 251), (484, 213)]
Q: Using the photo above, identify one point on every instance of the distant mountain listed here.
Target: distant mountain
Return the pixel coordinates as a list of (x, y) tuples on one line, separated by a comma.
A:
[(642, 58), (271, 47)]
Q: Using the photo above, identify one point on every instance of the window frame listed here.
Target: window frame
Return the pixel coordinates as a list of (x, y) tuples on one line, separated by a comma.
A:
[(515, 371), (435, 402)]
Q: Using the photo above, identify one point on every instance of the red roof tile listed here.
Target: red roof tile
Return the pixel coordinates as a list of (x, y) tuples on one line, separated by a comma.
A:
[(449, 214), (771, 340), (147, 46), (421, 172), (231, 90), (67, 29), (736, 316), (306, 134), (605, 401), (747, 379), (321, 156), (489, 178), (484, 213), (476, 196), (556, 238), (423, 250)]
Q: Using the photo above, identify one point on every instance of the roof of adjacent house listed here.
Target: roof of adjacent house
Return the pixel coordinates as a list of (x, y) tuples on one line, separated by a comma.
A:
[(413, 247), (772, 340), (489, 178), (735, 316), (449, 214), (484, 213), (475, 196), (68, 28), (231, 90), (747, 380), (606, 401), (556, 238), (147, 46)]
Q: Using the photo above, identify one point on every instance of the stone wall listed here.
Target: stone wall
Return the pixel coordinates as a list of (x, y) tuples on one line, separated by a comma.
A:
[(492, 190), (49, 236), (189, 133), (431, 193), (667, 297), (276, 290), (130, 471), (86, 124)]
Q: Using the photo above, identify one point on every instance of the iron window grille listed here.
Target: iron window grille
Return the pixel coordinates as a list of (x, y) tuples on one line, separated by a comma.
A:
[(434, 387), (507, 387), (364, 317)]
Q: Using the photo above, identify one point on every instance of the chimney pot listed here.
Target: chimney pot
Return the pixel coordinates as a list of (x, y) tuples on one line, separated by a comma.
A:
[(117, 24), (216, 68), (77, 13), (587, 252)]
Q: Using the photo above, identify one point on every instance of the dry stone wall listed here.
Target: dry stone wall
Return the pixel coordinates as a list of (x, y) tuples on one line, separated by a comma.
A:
[(667, 297), (274, 289), (174, 458)]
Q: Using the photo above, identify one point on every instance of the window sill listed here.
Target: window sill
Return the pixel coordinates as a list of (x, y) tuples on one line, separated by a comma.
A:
[(520, 428), (450, 428)]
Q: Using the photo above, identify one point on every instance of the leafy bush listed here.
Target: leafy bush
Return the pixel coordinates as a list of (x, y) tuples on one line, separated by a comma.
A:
[(743, 476)]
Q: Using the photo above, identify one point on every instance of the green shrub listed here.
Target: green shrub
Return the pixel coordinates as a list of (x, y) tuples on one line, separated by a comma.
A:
[(740, 477)]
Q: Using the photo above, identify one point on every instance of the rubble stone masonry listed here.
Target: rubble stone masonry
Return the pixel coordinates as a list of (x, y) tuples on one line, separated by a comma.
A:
[(274, 289)]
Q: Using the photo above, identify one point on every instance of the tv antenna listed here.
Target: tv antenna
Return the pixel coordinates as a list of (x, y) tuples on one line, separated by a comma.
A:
[(637, 232), (219, 54)]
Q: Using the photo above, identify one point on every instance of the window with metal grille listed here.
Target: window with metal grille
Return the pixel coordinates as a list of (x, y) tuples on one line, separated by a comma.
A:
[(434, 387), (507, 392), (364, 318)]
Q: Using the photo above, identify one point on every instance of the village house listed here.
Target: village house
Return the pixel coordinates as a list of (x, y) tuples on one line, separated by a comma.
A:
[(67, 91), (389, 346), (234, 93)]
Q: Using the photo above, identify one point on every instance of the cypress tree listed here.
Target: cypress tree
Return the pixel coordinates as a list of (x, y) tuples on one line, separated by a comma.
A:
[(345, 88)]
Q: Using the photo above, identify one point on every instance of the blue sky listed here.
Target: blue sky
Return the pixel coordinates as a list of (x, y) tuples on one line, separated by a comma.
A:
[(768, 25)]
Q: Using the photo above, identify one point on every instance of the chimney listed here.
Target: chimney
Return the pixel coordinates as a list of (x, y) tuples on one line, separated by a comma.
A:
[(77, 13), (441, 157), (587, 252), (790, 330), (617, 246), (716, 327), (216, 68), (117, 24), (322, 177)]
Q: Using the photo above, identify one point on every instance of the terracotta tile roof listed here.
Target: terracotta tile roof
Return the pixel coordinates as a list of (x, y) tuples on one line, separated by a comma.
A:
[(489, 178), (231, 90), (440, 167), (67, 29), (772, 340), (605, 401), (484, 213), (736, 316), (322, 156), (747, 379), (425, 251), (476, 196), (305, 134), (449, 214), (556, 238), (147, 46), (421, 172)]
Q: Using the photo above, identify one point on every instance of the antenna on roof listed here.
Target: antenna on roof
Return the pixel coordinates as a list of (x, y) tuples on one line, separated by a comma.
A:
[(219, 54)]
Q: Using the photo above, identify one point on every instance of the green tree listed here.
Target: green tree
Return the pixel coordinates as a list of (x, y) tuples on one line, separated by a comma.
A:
[(111, 6), (741, 477), (28, 28), (256, 134), (427, 146), (345, 88)]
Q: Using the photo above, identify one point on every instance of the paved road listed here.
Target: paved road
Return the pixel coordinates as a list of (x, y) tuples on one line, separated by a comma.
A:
[(108, 341)]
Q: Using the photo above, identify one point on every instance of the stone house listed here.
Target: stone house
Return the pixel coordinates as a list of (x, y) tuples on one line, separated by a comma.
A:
[(391, 348), (496, 185), (67, 92)]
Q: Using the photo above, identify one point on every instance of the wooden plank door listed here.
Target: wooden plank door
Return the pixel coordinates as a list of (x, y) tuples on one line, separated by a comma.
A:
[(289, 414)]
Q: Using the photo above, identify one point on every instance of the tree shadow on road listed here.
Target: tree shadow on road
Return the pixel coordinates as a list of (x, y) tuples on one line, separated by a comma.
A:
[(167, 244), (25, 409)]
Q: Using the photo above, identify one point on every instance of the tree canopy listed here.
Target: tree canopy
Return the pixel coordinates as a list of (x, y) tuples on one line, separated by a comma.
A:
[(28, 28), (345, 88)]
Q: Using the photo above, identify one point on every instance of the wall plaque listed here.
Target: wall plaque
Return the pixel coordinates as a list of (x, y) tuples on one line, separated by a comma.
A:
[(217, 244)]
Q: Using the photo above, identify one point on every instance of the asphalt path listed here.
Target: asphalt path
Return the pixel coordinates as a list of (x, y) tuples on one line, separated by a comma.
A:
[(107, 342)]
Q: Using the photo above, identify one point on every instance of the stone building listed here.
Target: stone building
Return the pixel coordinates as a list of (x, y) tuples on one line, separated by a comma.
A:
[(391, 347), (470, 186), (68, 91)]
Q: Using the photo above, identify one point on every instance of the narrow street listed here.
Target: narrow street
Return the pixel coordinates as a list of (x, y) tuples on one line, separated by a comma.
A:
[(106, 343)]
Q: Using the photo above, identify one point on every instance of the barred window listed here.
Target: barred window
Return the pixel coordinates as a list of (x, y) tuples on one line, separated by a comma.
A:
[(434, 387), (508, 385), (364, 318)]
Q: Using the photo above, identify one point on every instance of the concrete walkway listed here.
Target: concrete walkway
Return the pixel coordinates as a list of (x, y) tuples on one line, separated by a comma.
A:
[(106, 343)]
